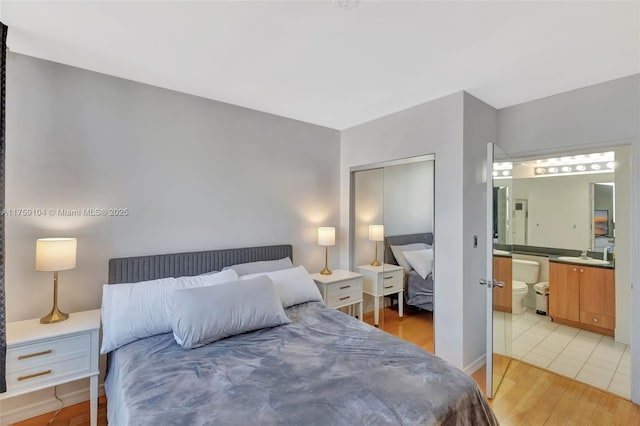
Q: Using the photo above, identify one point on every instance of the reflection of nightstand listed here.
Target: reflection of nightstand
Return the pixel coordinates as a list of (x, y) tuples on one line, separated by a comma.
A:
[(382, 281), (40, 356), (341, 288)]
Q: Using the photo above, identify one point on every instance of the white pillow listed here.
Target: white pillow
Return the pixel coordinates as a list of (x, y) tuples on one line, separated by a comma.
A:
[(400, 258), (294, 286), (262, 266), (421, 261), (134, 311), (206, 314)]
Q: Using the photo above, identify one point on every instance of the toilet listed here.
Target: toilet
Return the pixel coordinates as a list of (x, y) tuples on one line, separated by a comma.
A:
[(525, 273)]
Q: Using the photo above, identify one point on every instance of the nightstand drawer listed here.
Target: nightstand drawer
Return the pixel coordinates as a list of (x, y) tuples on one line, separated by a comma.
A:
[(46, 351), (345, 287), (390, 282), (345, 292), (391, 276), (53, 372), (391, 286)]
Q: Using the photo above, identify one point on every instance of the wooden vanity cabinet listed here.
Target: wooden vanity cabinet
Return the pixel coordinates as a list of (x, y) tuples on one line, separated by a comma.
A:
[(502, 296), (597, 297), (564, 292), (582, 296)]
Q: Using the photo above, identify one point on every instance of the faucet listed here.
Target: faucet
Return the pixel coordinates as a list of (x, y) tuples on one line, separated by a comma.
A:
[(605, 251), (583, 254)]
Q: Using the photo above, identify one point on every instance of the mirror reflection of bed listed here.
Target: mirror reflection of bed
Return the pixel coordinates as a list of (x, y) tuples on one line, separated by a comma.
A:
[(396, 198), (418, 282)]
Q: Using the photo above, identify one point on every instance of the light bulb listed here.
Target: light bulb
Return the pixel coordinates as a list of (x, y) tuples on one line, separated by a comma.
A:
[(595, 166), (581, 168)]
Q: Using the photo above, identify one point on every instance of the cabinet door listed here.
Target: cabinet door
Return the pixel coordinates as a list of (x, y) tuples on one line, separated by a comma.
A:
[(564, 291), (597, 291), (502, 272)]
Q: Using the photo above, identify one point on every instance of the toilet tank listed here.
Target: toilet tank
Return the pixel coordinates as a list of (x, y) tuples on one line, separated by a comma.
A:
[(526, 271)]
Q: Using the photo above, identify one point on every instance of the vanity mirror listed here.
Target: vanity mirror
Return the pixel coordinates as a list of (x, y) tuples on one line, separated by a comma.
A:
[(566, 202)]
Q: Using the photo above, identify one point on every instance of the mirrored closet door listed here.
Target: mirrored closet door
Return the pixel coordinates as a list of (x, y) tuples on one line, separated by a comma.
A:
[(392, 245)]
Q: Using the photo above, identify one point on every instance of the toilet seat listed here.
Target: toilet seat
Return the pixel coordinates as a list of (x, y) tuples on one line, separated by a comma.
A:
[(519, 287)]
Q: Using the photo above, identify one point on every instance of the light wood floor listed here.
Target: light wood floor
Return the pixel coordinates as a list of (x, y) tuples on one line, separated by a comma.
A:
[(527, 395)]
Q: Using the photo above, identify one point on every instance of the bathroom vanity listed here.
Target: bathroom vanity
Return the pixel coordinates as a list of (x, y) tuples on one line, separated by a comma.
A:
[(582, 296), (502, 271)]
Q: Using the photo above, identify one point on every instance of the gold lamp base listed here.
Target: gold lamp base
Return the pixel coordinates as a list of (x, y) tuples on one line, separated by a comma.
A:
[(375, 260), (55, 315), (326, 270)]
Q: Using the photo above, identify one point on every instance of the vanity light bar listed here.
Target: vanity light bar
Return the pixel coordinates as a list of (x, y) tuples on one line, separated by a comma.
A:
[(600, 167), (501, 174), (582, 159)]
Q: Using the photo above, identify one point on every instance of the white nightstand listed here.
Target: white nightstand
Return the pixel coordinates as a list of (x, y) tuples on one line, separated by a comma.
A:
[(44, 355), (341, 288), (382, 281)]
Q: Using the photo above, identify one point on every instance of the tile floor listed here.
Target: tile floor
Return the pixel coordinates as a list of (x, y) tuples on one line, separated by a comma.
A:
[(584, 356)]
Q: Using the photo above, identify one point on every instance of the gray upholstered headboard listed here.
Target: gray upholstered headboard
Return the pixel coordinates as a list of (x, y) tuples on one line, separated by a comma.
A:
[(144, 268), (399, 240)]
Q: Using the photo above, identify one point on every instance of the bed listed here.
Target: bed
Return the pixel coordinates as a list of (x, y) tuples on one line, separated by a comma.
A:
[(418, 291), (324, 367)]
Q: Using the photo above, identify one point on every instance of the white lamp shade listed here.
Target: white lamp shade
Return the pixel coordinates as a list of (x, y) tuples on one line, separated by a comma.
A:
[(376, 232), (55, 254), (327, 236)]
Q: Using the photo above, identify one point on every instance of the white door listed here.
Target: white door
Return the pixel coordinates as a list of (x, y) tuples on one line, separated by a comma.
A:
[(498, 320)]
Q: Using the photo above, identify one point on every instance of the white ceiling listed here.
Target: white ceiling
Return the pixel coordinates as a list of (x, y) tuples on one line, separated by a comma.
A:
[(319, 63)]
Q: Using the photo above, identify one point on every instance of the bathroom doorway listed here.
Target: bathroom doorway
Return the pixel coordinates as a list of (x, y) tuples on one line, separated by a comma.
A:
[(571, 259)]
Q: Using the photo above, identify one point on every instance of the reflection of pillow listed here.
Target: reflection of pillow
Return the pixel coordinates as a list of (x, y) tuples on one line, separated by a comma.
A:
[(397, 253), (205, 314), (262, 266), (134, 311), (420, 260), (294, 286)]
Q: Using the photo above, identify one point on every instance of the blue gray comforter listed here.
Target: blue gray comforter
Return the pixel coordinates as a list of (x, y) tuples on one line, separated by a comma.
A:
[(325, 368)]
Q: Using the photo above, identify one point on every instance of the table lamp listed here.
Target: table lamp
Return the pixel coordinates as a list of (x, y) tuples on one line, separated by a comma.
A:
[(376, 233), (326, 238), (53, 255)]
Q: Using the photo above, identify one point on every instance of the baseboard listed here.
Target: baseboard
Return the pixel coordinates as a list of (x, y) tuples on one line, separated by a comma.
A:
[(46, 406), (476, 365)]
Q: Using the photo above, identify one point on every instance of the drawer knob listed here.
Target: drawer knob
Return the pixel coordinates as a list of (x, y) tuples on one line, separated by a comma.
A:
[(388, 286), (31, 376), (388, 278), (48, 351), (345, 286), (345, 297), (595, 320)]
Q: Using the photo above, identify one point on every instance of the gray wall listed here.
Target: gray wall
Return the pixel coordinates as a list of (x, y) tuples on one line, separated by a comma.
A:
[(605, 114), (195, 174), (480, 128), (431, 128)]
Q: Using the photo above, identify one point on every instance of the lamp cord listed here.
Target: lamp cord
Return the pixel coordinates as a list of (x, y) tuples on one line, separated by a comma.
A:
[(55, 393)]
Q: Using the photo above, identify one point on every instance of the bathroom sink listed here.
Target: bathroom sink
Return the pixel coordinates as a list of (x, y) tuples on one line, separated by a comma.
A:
[(501, 252), (583, 260)]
